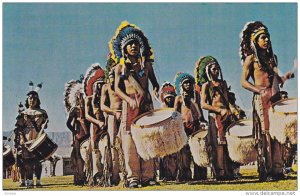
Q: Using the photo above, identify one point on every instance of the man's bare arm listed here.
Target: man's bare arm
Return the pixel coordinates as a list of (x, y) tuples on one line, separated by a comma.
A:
[(119, 92), (153, 80), (177, 103), (104, 96), (246, 75), (208, 107), (283, 78), (69, 122), (87, 115)]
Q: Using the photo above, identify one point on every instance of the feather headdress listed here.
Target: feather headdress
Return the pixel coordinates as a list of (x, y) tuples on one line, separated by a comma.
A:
[(248, 37), (201, 70), (166, 90), (125, 33), (110, 65), (93, 73), (180, 78), (72, 89), (34, 91)]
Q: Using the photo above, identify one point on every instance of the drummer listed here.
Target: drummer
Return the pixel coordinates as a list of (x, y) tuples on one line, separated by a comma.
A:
[(29, 126), (131, 50), (260, 63), (111, 104), (78, 125), (168, 164), (94, 81), (214, 98), (188, 104)]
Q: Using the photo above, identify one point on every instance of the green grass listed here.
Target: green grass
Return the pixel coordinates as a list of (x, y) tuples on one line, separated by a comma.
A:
[(249, 181)]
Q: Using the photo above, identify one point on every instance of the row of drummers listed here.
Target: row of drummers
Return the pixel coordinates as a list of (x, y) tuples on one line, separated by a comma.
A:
[(177, 133), (116, 128)]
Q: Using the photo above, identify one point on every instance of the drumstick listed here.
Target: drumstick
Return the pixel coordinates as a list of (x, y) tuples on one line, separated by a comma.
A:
[(9, 138), (156, 99), (294, 68), (42, 129), (295, 65)]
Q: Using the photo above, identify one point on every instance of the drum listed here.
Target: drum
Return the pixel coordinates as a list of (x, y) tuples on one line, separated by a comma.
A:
[(8, 157), (283, 120), (241, 142), (197, 145), (43, 147), (84, 148), (158, 133)]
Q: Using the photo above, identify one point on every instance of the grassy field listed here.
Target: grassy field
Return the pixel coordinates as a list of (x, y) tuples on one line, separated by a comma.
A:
[(249, 181)]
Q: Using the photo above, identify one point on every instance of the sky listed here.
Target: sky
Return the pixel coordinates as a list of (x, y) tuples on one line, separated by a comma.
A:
[(54, 43)]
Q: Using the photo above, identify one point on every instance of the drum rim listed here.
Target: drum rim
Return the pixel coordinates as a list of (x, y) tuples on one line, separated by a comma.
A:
[(83, 142), (7, 150), (201, 130), (282, 113), (43, 139), (232, 124), (151, 111)]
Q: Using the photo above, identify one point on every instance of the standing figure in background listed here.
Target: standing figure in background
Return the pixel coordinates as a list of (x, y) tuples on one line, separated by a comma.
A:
[(134, 57), (93, 82), (214, 98), (111, 104), (260, 63), (32, 121), (77, 124), (168, 164), (188, 104)]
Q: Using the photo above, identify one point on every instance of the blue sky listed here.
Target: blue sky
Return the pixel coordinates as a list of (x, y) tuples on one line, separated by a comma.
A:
[(54, 43)]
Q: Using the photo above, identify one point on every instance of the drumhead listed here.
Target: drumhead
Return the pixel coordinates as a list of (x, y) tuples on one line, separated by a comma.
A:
[(242, 128), (84, 143), (37, 142), (154, 117), (286, 106), (7, 150), (200, 134)]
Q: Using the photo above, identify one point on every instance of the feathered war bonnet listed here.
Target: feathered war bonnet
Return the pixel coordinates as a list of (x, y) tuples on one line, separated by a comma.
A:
[(249, 37), (110, 66), (125, 33), (202, 69), (167, 90), (73, 88), (180, 78), (34, 91), (93, 75)]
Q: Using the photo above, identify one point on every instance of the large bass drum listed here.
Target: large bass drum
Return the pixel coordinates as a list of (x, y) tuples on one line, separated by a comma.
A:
[(283, 120), (197, 143), (158, 133), (43, 147), (84, 149), (241, 142)]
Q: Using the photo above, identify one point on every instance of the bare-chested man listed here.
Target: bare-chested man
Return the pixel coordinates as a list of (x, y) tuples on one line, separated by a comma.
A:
[(78, 125), (214, 98), (113, 109), (132, 52), (93, 83), (260, 63), (188, 104), (168, 165)]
